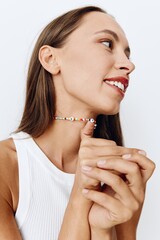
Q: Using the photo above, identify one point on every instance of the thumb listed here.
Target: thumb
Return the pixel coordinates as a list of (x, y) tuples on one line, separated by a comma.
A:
[(88, 129)]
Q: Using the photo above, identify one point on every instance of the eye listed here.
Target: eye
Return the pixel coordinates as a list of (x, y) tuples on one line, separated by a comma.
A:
[(108, 43)]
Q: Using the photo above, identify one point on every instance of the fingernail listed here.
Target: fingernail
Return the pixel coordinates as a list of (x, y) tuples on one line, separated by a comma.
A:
[(85, 191), (101, 162), (86, 168), (126, 156), (142, 152)]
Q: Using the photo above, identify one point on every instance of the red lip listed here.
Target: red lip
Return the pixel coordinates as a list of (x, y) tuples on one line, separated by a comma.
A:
[(123, 80)]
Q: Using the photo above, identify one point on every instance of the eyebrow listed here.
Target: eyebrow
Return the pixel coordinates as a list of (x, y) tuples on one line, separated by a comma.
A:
[(109, 32), (115, 36)]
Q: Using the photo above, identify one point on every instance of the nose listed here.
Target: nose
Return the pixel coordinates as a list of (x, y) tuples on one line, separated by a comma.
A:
[(124, 64)]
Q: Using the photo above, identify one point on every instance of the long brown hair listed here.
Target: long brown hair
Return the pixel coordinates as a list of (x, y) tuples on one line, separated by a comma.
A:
[(40, 93)]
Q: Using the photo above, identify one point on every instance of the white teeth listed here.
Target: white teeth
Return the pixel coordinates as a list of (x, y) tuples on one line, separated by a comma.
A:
[(122, 87), (117, 84)]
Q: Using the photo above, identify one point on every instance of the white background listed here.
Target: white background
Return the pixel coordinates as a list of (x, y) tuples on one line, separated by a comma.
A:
[(20, 24)]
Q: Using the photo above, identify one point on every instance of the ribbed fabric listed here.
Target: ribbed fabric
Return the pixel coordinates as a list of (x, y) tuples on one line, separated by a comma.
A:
[(43, 191)]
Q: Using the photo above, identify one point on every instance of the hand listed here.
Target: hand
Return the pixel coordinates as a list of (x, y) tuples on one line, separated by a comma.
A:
[(93, 149), (127, 230), (118, 201), (129, 199)]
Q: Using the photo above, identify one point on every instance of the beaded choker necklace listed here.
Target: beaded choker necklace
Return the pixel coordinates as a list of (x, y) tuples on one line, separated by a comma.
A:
[(75, 119)]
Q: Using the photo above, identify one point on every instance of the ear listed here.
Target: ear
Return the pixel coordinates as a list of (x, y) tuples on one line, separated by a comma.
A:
[(48, 59)]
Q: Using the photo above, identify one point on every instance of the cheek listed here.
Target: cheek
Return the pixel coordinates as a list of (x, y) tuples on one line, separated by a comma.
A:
[(85, 65), (83, 72), (76, 69)]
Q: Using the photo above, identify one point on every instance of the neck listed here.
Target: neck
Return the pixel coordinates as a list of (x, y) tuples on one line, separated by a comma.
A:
[(61, 142)]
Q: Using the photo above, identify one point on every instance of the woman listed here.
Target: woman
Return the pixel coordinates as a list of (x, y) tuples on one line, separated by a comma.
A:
[(60, 178)]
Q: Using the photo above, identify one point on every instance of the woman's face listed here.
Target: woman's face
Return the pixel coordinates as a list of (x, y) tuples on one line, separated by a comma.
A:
[(94, 59)]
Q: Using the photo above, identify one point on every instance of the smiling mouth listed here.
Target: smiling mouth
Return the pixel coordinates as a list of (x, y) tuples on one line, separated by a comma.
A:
[(120, 82)]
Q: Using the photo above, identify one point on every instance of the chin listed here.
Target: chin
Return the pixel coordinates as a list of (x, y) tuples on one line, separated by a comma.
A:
[(113, 112), (109, 111), (107, 106)]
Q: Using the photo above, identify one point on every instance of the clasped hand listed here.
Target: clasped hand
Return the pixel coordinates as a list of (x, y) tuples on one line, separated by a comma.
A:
[(113, 178)]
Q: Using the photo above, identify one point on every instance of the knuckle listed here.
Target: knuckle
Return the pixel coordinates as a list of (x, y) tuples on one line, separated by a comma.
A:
[(95, 183), (134, 150), (86, 152), (117, 181), (86, 142), (83, 152), (135, 206), (135, 169), (83, 162), (153, 166), (111, 142), (150, 168), (127, 215), (85, 182), (118, 150)]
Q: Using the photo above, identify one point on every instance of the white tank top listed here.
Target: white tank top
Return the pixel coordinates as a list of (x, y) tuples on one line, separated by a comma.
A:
[(44, 191)]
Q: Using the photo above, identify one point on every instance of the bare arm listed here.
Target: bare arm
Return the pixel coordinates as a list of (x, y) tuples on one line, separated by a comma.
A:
[(8, 226), (75, 223), (97, 234), (8, 179)]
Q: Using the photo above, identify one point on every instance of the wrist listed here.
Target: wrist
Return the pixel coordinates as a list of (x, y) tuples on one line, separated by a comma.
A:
[(75, 223), (126, 232), (97, 233), (78, 201)]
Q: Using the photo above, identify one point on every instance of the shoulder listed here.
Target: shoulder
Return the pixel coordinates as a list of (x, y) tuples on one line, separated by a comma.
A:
[(8, 157), (7, 149), (9, 172), (8, 190)]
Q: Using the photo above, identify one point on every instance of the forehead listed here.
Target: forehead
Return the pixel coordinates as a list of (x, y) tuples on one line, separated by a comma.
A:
[(97, 21)]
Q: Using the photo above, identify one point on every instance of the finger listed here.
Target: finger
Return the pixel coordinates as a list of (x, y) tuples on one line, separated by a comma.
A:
[(93, 163), (114, 181), (87, 131), (117, 212), (88, 182), (116, 165), (102, 199), (131, 172), (116, 150), (101, 142), (147, 166), (130, 169), (109, 149)]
